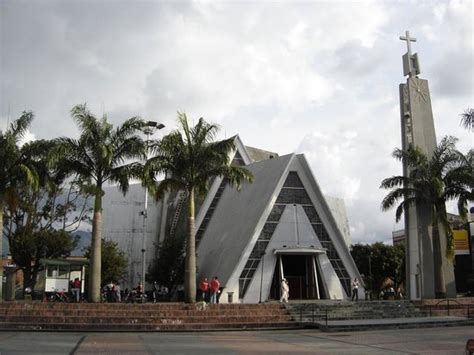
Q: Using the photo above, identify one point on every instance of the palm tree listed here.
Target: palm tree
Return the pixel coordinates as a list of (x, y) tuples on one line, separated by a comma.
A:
[(15, 169), (190, 159), (431, 182), (101, 155), (467, 119)]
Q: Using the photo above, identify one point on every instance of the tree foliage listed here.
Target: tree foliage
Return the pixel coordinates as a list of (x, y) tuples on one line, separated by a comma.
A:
[(190, 158), (39, 220), (114, 261), (378, 261), (168, 268), (430, 182), (467, 119), (101, 154), (15, 169), (446, 175)]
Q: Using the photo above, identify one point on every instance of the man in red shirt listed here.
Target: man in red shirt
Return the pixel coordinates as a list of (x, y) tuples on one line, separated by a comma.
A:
[(76, 289), (204, 287), (215, 284)]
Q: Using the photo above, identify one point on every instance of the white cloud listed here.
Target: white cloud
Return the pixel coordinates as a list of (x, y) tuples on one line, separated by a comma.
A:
[(28, 137), (317, 77)]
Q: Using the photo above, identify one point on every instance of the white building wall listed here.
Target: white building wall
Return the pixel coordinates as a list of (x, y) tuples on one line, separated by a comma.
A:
[(338, 210), (123, 224)]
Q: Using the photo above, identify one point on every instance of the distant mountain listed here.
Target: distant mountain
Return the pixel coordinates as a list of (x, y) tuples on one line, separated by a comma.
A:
[(84, 241)]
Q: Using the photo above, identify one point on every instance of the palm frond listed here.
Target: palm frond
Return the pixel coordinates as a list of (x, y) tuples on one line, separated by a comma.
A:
[(467, 118), (394, 181), (84, 119), (166, 185), (127, 129), (403, 206), (204, 133), (123, 174), (19, 127), (183, 122), (395, 195)]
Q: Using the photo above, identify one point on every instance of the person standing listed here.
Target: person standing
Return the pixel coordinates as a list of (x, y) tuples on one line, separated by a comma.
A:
[(355, 289), (76, 289), (215, 285), (204, 287), (117, 294), (284, 290), (155, 291)]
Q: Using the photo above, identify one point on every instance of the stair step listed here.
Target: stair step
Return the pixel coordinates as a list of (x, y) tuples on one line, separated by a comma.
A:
[(138, 317), (171, 326)]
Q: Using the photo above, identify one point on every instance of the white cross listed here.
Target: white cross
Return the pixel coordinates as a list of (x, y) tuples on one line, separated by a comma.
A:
[(408, 39)]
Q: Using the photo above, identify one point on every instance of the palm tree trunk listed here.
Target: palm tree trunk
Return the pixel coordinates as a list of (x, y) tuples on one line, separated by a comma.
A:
[(440, 234), (1, 249), (439, 260), (190, 264), (95, 262)]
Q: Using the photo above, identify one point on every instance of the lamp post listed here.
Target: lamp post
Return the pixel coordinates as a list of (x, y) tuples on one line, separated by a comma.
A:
[(370, 271), (151, 127), (261, 276)]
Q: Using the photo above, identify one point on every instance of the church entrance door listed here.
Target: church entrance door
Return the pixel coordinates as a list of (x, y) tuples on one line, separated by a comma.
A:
[(299, 271)]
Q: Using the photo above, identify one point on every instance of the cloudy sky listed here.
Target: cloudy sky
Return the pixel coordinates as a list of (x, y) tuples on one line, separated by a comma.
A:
[(313, 77)]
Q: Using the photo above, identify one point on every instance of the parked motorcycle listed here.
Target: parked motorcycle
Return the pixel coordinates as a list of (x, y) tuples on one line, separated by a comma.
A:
[(58, 296)]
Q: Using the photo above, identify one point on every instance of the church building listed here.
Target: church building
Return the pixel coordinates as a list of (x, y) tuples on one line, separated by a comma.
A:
[(279, 226)]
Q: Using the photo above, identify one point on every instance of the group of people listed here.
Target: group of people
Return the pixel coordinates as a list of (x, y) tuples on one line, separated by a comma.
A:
[(111, 292), (209, 291), (159, 292)]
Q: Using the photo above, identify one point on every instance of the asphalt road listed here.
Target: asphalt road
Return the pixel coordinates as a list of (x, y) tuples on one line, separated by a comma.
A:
[(447, 340)]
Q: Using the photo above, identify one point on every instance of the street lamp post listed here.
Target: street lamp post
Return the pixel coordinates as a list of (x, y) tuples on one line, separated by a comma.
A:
[(370, 272), (151, 127), (261, 276)]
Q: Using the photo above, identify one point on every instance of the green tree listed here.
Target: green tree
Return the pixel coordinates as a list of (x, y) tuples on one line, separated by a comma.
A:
[(101, 155), (190, 158), (168, 267), (431, 182), (113, 261), (28, 247), (15, 170), (378, 261), (467, 119), (39, 221)]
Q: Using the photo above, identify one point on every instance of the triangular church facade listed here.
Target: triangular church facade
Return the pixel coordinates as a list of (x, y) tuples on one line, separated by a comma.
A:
[(278, 226)]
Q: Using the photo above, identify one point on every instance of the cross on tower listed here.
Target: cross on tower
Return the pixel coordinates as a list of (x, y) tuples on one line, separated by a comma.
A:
[(411, 66), (408, 39)]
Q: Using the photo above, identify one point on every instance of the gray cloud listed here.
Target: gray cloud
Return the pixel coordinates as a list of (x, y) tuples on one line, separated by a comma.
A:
[(316, 77)]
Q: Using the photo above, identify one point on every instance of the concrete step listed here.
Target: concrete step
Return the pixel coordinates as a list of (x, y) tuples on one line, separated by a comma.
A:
[(131, 313), (145, 319), (340, 310), (394, 323), (170, 326), (138, 317), (168, 306)]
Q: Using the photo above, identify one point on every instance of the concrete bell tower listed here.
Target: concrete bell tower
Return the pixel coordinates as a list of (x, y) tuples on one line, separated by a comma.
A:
[(418, 130)]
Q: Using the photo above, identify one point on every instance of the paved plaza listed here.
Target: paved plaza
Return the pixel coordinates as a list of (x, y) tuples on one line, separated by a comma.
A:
[(447, 340)]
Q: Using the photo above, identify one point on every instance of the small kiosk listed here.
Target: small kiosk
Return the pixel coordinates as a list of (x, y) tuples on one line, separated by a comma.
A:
[(58, 273)]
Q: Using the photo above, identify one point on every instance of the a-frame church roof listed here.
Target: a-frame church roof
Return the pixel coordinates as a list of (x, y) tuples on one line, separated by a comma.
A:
[(239, 218)]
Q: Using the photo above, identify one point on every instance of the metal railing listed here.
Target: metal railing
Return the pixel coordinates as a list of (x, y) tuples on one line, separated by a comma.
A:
[(312, 312), (451, 305), (322, 315)]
